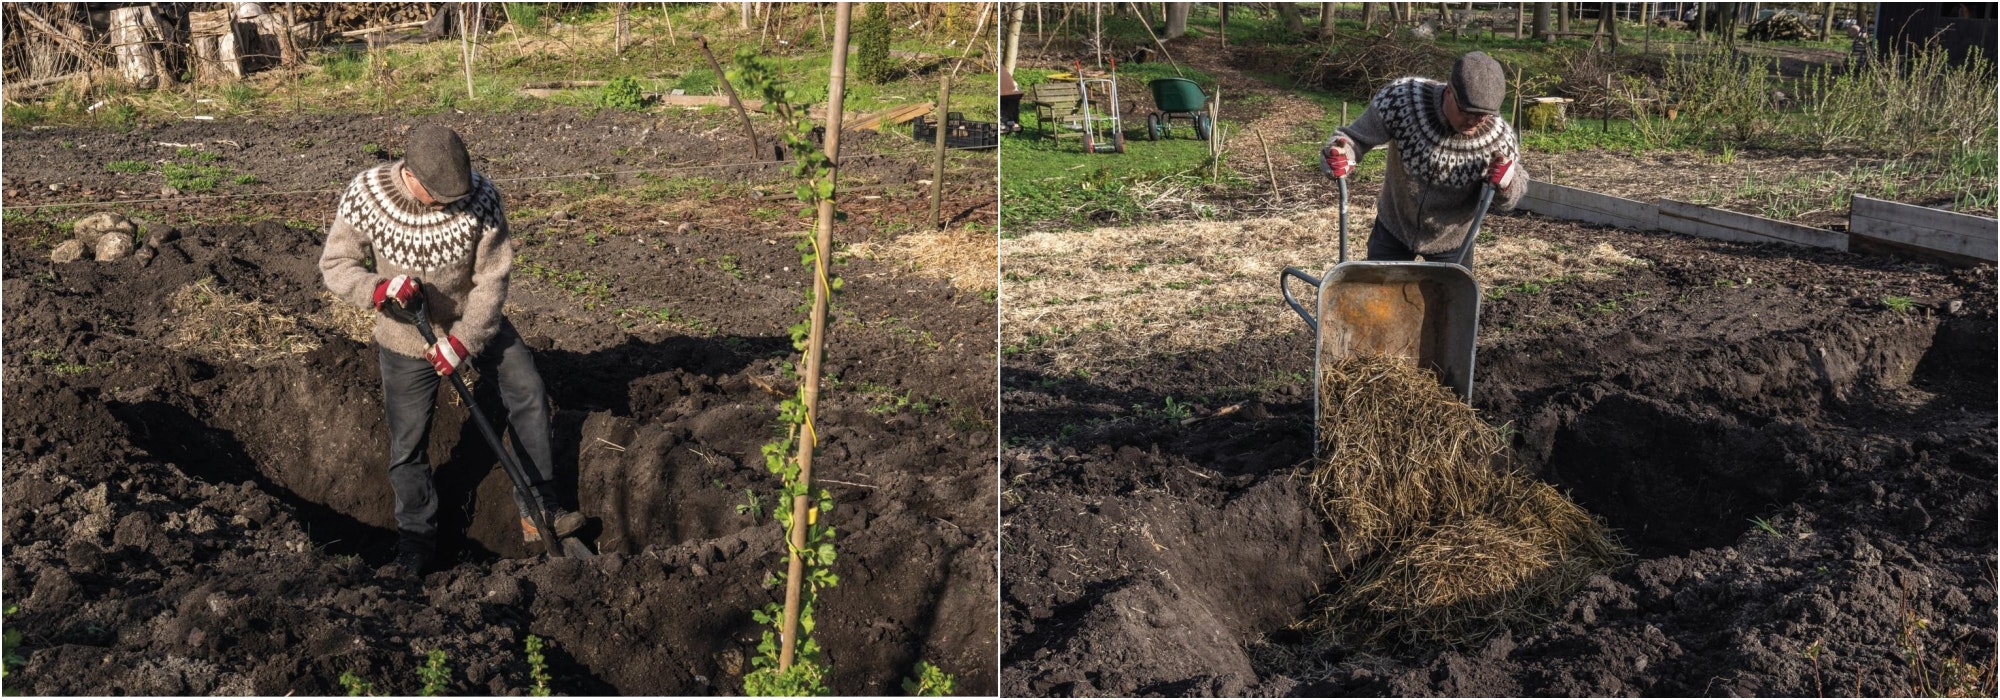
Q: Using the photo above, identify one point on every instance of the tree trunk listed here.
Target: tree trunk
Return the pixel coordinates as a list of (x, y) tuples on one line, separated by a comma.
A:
[(1367, 16), (1294, 24), (132, 44), (1562, 18), (1177, 17), (1326, 18), (1542, 21), (1017, 14), (1609, 20), (1826, 21)]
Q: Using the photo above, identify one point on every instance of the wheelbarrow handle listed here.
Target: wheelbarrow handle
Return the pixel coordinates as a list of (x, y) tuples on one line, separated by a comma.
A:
[(1286, 290), (1478, 218), (415, 313)]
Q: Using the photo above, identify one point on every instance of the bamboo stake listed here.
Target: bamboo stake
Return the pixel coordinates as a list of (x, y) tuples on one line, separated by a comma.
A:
[(816, 342), (756, 151), (669, 17), (937, 172)]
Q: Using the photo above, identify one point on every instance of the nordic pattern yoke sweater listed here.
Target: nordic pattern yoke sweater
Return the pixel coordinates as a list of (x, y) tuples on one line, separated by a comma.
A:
[(1431, 189), (461, 254)]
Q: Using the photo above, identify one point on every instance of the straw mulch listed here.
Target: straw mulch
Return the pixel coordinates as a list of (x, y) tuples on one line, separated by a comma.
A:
[(216, 321), (1447, 543)]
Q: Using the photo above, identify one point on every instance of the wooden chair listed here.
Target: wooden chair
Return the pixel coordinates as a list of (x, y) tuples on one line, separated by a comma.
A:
[(1059, 107)]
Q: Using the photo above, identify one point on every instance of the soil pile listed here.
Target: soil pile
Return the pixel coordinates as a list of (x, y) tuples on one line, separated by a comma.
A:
[(1450, 544)]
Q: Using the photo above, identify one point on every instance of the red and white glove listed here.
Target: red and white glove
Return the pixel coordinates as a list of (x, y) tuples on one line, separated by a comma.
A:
[(401, 289), (1501, 174), (1338, 155), (446, 355)]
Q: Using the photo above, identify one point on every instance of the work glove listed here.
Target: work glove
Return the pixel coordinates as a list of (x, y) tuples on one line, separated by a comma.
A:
[(400, 289), (1501, 174), (446, 355), (1337, 156)]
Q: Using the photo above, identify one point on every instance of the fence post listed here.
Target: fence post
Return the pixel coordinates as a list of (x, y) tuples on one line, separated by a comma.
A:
[(942, 111)]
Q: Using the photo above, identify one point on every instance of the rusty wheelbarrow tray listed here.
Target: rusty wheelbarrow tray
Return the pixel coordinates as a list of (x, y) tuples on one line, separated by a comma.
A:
[(1427, 312)]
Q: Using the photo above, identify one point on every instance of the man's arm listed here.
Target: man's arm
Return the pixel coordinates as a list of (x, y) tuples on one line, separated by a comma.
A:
[(1365, 133), (342, 265), (1514, 186), (490, 268)]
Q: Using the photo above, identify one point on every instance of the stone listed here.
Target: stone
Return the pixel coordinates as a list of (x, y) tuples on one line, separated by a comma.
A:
[(113, 246), (90, 227), (70, 251)]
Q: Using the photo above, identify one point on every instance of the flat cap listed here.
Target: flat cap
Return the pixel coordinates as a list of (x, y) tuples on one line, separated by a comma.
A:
[(437, 157), (1479, 83)]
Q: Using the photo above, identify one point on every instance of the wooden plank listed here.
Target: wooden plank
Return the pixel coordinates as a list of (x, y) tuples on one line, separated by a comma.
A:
[(1977, 245), (1574, 204), (1863, 243), (1708, 222), (1951, 222)]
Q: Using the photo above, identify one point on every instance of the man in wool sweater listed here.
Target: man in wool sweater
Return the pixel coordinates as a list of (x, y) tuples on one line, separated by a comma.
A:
[(435, 229), (1445, 141)]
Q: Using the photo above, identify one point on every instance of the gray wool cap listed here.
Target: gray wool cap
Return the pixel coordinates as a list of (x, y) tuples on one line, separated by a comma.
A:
[(1479, 82), (437, 157)]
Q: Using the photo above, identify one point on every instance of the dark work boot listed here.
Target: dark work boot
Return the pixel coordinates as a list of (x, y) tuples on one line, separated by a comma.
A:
[(413, 556)]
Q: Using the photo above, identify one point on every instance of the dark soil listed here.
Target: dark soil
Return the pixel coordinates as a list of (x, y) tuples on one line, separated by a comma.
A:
[(179, 522), (1723, 383)]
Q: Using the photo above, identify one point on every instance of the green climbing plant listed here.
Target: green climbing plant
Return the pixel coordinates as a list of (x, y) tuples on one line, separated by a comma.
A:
[(436, 674), (931, 681), (807, 674), (538, 668), (10, 657)]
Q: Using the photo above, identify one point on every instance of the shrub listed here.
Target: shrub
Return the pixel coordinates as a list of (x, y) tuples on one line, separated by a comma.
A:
[(623, 93), (872, 61)]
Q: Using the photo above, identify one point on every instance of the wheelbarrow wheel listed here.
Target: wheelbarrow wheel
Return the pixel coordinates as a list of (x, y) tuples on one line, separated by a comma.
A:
[(1154, 129), (1202, 126)]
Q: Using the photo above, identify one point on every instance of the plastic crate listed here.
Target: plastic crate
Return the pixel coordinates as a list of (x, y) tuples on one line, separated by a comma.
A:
[(959, 132)]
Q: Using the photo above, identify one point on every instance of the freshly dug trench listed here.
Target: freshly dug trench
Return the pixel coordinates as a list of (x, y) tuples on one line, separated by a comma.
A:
[(1447, 543)]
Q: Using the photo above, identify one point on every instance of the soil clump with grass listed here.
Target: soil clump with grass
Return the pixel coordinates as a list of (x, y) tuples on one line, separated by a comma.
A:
[(194, 447)]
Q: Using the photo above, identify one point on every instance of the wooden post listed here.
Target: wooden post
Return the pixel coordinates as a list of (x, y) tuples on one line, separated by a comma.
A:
[(1517, 99), (816, 342), (1269, 171), (757, 151), (1605, 111), (465, 44), (624, 9), (1221, 23), (1215, 136), (942, 111), (1520, 19), (1647, 14)]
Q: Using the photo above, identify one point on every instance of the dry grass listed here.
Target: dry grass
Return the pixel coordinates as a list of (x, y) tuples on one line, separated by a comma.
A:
[(1512, 260), (1451, 544), (1114, 296), (354, 322), (212, 320), (964, 256)]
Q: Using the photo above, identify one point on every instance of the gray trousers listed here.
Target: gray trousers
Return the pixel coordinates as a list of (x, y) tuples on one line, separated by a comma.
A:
[(409, 397), (1383, 245)]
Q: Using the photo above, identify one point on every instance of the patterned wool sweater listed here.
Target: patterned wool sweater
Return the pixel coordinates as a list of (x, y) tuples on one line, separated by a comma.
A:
[(1431, 190), (461, 254)]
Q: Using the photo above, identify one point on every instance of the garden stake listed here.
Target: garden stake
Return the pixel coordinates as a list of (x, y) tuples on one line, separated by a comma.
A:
[(756, 151), (937, 172), (816, 343)]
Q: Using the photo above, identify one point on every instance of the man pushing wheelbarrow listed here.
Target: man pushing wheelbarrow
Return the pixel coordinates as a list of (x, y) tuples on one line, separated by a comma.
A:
[(1449, 154), (1446, 139)]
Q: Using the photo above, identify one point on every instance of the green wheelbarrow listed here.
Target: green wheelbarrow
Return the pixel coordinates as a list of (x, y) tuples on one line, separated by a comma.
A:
[(1177, 98)]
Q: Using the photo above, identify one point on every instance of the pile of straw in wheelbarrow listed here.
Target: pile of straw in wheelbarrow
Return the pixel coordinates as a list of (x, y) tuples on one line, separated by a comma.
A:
[(1440, 540)]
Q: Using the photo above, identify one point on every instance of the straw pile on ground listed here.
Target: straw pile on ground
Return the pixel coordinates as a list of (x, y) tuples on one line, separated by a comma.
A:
[(1442, 542)]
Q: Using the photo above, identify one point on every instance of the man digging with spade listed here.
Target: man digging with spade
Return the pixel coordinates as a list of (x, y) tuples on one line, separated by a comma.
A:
[(1446, 140), (438, 239)]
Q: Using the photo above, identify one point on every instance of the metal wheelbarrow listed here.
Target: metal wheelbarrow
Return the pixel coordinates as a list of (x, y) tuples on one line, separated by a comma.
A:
[(1427, 312)]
